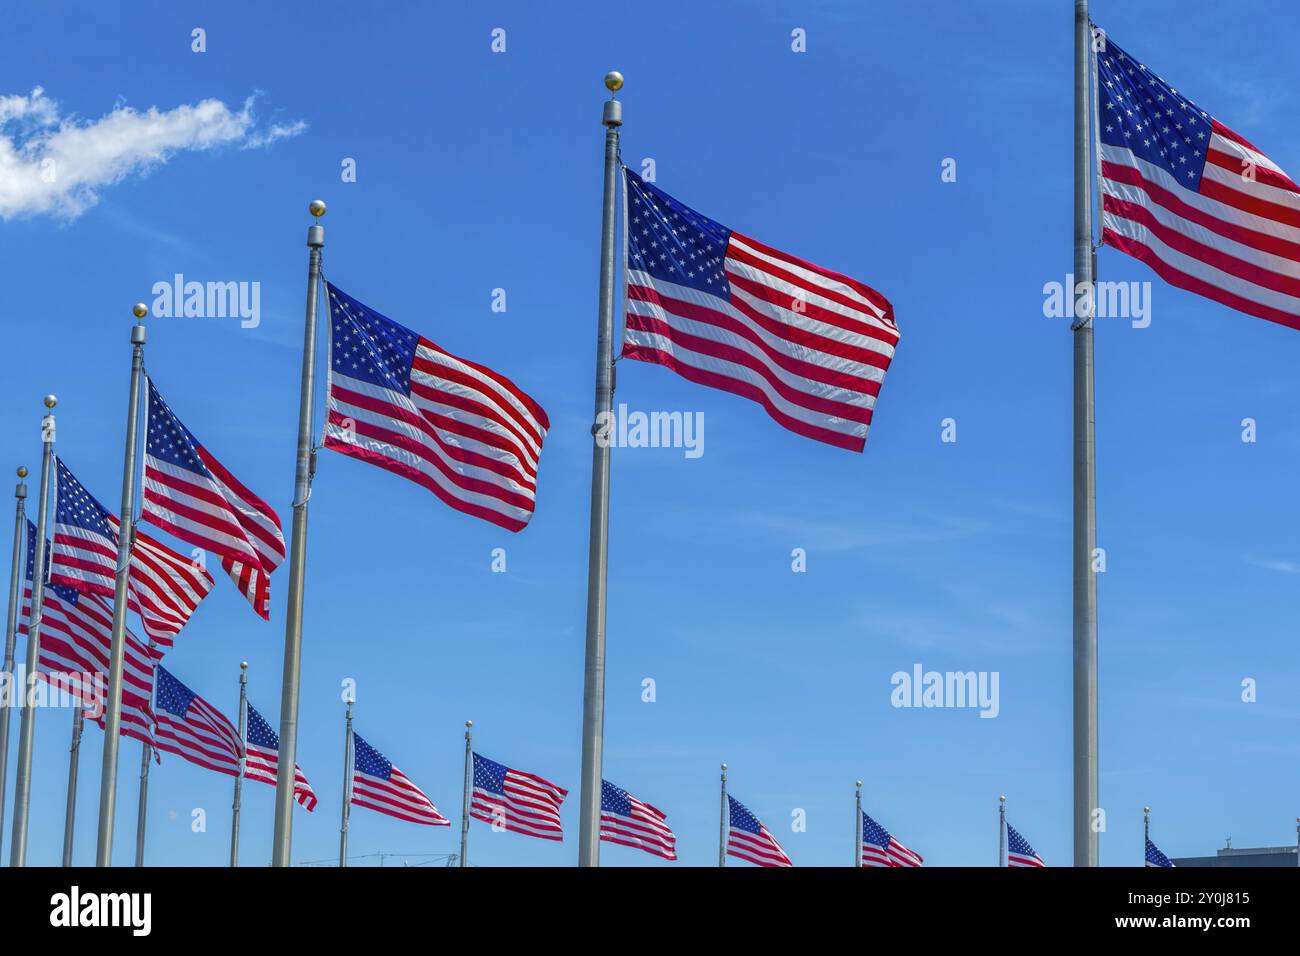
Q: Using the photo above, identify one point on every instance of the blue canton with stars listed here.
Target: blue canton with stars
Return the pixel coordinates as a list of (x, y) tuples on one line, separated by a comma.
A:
[(366, 759), (490, 775), (368, 346), (68, 595), (741, 818), (260, 732), (673, 242), (614, 799), (1138, 110), (168, 439), (1155, 857), (77, 507), (873, 832), (172, 696), (1018, 844)]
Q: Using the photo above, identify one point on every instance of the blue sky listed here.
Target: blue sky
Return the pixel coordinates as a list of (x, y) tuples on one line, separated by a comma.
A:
[(478, 171)]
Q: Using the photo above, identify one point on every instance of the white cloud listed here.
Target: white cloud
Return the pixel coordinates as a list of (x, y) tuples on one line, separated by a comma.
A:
[(58, 165)]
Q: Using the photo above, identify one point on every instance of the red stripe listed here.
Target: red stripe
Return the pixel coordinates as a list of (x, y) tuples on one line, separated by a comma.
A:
[(1281, 180), (862, 289), (506, 385)]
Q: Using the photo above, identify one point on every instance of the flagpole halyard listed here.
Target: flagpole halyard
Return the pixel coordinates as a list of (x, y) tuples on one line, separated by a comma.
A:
[(11, 628), (464, 796), (305, 468), (27, 723), (593, 698), (1086, 795), (236, 804)]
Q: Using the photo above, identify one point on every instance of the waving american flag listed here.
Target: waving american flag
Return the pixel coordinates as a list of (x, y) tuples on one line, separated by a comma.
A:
[(1156, 857), (459, 429), (879, 848), (630, 822), (1194, 200), (163, 587), (515, 800), (262, 759), (1019, 852), (720, 309), (192, 495), (748, 839), (190, 727), (378, 785)]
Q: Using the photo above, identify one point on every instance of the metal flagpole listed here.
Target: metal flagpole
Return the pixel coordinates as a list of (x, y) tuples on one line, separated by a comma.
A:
[(1002, 830), (243, 762), (70, 814), (27, 723), (11, 631), (593, 691), (347, 787), (142, 805), (722, 821), (1297, 841), (1086, 798), (1146, 832), (125, 540), (305, 468), (464, 796), (857, 828)]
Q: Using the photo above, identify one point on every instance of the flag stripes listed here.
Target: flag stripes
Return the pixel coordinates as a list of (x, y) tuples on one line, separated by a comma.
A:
[(627, 821), (879, 848), (262, 759), (378, 785), (190, 727), (515, 800), (748, 839)]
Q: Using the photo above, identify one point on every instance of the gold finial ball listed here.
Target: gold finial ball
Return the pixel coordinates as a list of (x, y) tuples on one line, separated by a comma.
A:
[(51, 401), (243, 665), (613, 81), (317, 208), (469, 724), (139, 310), (1002, 797), (1146, 809), (22, 473)]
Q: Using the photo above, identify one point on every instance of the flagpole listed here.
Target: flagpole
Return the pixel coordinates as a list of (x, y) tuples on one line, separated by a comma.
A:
[(116, 658), (593, 691), (70, 813), (27, 723), (1002, 830), (1146, 832), (1297, 841), (857, 828), (243, 762), (11, 631), (722, 821), (347, 787), (305, 468), (1086, 797), (142, 804), (464, 796)]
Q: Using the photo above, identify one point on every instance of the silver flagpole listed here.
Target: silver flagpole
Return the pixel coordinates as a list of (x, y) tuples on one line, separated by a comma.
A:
[(1086, 798), (70, 814), (1297, 841), (857, 828), (142, 805), (1002, 830), (243, 762), (593, 691), (464, 796), (722, 821), (305, 468), (347, 787), (27, 723), (11, 631), (1146, 832), (116, 658)]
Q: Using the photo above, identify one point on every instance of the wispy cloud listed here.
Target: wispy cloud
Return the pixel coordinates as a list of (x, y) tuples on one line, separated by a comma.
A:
[(57, 165), (1285, 567)]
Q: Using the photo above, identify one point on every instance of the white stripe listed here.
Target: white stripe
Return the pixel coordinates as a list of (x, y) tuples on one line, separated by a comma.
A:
[(870, 311)]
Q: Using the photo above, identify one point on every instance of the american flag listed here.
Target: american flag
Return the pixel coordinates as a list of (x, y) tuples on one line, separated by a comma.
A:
[(192, 495), (378, 785), (1155, 857), (77, 638), (879, 848), (514, 800), (809, 345), (628, 821), (464, 432), (748, 839), (163, 587), (1019, 852), (190, 727), (262, 759), (1195, 201)]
